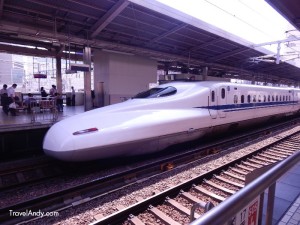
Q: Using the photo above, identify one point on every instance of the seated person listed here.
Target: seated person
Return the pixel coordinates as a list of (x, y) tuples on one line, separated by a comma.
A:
[(30, 102), (12, 107)]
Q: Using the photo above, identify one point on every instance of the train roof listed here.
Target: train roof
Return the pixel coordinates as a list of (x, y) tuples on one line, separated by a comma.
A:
[(209, 84)]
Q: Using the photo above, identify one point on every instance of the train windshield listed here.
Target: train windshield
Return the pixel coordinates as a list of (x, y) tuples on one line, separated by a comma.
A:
[(157, 92)]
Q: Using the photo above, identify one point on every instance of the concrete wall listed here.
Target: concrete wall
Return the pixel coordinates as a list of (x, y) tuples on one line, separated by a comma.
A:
[(122, 75)]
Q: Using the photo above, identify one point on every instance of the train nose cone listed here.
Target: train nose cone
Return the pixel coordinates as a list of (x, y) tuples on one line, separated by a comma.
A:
[(57, 143)]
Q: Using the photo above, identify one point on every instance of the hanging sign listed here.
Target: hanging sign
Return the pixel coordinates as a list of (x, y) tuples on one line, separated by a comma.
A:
[(39, 75), (80, 67)]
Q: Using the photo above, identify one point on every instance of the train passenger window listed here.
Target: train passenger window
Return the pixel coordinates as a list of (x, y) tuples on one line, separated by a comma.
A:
[(157, 92), (223, 93), (213, 96), (265, 98), (249, 98), (276, 98), (272, 98), (254, 98), (280, 98), (259, 98), (283, 98), (235, 99), (289, 98), (269, 98), (242, 99)]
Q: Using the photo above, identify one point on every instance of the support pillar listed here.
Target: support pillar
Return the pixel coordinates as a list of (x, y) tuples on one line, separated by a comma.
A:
[(100, 94), (58, 75), (87, 80), (253, 80), (205, 72)]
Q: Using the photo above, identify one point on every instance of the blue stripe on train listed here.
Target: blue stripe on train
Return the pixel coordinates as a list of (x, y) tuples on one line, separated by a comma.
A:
[(246, 106)]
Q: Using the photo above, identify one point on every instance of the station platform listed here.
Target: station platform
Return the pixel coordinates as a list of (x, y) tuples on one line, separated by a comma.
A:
[(24, 118), (287, 198)]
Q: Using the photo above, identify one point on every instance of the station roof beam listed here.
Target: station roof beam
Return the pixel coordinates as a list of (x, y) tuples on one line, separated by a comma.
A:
[(1, 8), (109, 16), (144, 28), (290, 9)]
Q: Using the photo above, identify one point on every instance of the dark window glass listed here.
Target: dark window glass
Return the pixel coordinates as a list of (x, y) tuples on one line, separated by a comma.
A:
[(242, 99), (213, 96), (157, 92), (254, 98), (223, 92), (269, 98), (249, 98)]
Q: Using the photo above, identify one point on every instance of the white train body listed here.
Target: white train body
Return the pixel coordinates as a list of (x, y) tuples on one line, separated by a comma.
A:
[(174, 113)]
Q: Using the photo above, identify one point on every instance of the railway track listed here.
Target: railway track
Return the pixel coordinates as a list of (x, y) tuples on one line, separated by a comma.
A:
[(184, 203), (17, 173), (98, 188)]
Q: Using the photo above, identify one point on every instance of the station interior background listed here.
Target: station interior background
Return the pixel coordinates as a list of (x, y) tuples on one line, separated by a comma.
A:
[(19, 69)]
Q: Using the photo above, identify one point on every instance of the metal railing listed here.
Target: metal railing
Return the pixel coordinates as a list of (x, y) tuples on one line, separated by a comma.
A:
[(43, 110), (227, 210)]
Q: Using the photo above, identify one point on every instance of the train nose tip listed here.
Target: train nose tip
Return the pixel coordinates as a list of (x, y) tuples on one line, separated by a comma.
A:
[(58, 146), (61, 155)]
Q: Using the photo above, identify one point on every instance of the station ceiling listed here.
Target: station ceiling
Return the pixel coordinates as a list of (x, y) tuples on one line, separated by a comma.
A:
[(290, 9), (52, 26)]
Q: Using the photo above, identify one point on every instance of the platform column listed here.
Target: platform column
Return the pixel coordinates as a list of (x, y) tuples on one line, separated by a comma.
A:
[(58, 75), (205, 72), (87, 80)]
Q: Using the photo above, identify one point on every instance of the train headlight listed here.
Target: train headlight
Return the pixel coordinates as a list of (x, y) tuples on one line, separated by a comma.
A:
[(94, 129)]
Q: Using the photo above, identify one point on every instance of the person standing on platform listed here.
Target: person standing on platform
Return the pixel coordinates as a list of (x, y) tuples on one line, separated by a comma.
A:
[(93, 98), (53, 91), (73, 96), (3, 90), (11, 91), (43, 93), (3, 96)]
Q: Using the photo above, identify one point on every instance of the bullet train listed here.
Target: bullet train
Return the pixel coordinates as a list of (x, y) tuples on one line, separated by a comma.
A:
[(166, 115)]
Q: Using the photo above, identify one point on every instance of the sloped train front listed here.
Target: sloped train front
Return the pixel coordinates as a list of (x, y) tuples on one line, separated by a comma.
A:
[(163, 116)]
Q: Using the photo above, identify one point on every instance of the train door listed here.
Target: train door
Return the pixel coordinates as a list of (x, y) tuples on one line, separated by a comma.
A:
[(222, 101), (212, 104), (293, 98)]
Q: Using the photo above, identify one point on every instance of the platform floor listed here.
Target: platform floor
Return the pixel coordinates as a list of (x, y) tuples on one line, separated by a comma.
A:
[(287, 198), (24, 117)]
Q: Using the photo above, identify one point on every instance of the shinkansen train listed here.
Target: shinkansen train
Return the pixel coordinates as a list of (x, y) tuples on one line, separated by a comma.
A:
[(166, 115)]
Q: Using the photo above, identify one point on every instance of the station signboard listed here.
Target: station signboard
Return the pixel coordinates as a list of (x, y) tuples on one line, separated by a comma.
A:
[(39, 75), (79, 67), (248, 215)]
